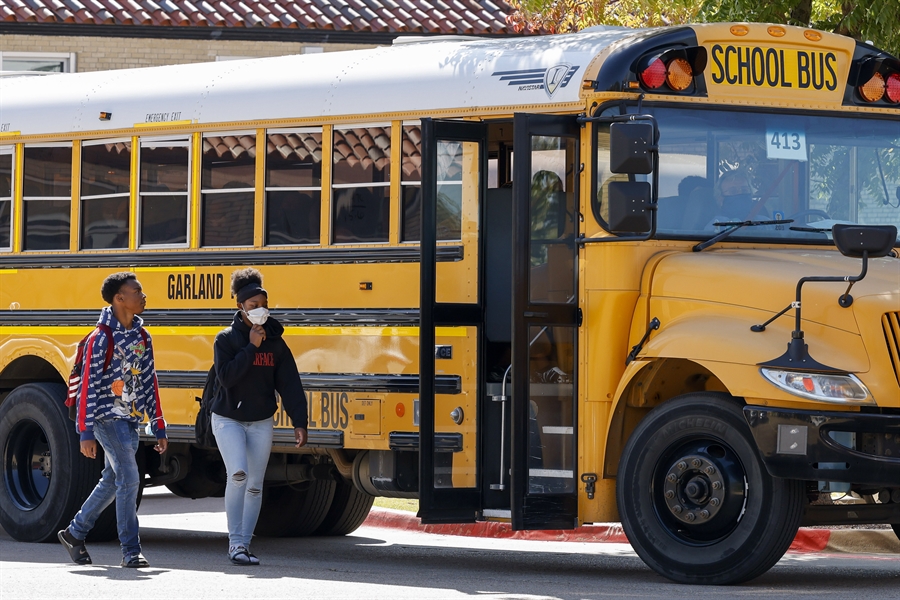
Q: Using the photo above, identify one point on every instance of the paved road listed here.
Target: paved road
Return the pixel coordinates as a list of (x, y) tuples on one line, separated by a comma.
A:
[(185, 541)]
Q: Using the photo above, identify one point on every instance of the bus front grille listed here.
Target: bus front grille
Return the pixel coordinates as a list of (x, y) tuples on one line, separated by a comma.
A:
[(890, 322)]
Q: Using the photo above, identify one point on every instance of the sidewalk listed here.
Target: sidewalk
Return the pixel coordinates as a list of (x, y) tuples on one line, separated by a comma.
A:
[(879, 541)]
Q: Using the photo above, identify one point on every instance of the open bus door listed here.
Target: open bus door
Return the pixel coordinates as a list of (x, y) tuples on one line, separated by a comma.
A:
[(454, 166), (545, 322)]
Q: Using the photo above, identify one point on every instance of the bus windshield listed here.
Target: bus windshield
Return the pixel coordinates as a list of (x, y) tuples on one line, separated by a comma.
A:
[(726, 166)]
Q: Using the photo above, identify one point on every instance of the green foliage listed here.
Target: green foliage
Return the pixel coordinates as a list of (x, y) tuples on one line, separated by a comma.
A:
[(565, 16), (873, 20)]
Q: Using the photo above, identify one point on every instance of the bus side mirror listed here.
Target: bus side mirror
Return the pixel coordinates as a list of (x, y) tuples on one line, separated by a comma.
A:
[(629, 148), (857, 241), (629, 203)]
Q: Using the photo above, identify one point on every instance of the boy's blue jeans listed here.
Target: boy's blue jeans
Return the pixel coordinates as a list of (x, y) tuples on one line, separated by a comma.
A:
[(245, 448), (120, 481)]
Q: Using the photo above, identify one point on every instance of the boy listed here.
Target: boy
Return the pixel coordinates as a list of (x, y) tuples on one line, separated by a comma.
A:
[(111, 405)]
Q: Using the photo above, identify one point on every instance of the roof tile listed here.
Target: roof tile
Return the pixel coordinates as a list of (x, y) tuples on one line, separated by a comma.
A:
[(413, 16)]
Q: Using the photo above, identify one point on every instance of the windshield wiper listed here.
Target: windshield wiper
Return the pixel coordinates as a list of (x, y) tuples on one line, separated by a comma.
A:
[(734, 226), (812, 229)]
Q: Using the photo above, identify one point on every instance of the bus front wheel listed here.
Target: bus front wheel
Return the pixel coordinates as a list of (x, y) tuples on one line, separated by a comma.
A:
[(695, 499)]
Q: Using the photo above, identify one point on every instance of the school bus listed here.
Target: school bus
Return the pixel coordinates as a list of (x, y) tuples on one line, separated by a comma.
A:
[(545, 280)]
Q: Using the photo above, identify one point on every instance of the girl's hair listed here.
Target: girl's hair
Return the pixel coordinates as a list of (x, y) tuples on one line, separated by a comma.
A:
[(242, 277)]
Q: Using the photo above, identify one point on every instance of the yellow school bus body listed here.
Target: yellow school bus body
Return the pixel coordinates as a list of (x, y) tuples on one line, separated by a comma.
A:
[(705, 301)]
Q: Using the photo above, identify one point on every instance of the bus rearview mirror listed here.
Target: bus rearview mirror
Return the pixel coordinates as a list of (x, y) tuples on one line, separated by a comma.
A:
[(629, 148), (628, 206), (855, 240)]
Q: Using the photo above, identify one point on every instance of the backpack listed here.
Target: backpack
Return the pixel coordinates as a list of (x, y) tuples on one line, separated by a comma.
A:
[(203, 432), (80, 359)]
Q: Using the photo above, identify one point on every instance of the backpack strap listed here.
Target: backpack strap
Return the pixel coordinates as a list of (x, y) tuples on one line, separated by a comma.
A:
[(106, 329)]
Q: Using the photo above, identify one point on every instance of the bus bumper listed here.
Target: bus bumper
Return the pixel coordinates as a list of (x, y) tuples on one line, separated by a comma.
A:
[(799, 444)]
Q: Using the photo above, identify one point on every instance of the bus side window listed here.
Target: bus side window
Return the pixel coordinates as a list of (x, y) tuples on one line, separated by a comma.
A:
[(293, 187), (105, 193), (449, 188), (6, 183), (228, 177), (164, 177), (47, 173), (411, 184), (361, 185)]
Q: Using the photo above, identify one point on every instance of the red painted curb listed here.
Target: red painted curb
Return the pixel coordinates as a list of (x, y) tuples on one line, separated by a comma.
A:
[(810, 540), (603, 532), (807, 540)]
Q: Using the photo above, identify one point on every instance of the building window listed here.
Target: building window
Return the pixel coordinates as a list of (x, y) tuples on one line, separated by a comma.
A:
[(228, 179), (7, 160), (361, 185), (105, 194), (42, 62), (47, 174), (164, 185), (293, 186)]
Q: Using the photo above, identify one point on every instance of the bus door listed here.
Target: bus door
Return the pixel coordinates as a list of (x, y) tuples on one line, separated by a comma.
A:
[(454, 167), (545, 322)]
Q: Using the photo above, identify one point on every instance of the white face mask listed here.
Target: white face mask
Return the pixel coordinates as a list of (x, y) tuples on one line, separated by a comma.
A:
[(257, 316)]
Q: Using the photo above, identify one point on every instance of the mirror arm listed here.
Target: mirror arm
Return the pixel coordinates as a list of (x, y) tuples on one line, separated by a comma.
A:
[(846, 299), (797, 356)]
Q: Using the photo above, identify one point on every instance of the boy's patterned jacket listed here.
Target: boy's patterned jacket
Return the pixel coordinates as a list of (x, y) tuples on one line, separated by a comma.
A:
[(128, 389)]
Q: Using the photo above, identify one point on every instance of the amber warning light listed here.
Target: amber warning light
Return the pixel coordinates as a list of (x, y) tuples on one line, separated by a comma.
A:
[(879, 80)]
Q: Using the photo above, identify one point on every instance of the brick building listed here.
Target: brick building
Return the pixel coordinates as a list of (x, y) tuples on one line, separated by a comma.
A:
[(94, 35)]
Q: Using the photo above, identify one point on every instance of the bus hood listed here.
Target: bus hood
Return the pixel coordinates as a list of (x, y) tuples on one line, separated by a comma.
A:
[(767, 280)]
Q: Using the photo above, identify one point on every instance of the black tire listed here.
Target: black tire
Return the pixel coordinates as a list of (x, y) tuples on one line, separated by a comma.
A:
[(35, 429), (294, 510), (694, 525), (348, 510), (206, 479)]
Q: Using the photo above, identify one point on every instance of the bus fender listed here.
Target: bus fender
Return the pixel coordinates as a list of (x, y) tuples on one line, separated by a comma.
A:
[(714, 354), (39, 360)]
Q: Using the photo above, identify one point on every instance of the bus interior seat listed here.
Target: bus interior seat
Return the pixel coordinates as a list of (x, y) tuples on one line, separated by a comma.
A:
[(699, 209), (671, 211)]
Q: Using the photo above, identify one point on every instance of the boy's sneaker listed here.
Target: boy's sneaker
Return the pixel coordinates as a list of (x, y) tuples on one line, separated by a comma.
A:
[(135, 561), (240, 556), (75, 547)]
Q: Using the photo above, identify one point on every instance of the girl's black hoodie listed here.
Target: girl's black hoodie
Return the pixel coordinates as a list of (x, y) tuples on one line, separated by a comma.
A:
[(249, 376)]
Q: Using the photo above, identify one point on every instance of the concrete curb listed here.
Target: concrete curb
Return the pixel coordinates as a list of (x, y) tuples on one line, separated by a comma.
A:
[(880, 541)]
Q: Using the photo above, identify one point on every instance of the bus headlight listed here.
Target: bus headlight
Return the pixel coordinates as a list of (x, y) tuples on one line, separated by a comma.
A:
[(838, 389)]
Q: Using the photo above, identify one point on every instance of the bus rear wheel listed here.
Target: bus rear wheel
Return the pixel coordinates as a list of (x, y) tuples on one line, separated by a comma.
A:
[(348, 510), (695, 499), (294, 510), (45, 478)]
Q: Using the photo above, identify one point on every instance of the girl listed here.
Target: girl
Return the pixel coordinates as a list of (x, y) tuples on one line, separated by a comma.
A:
[(252, 361)]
